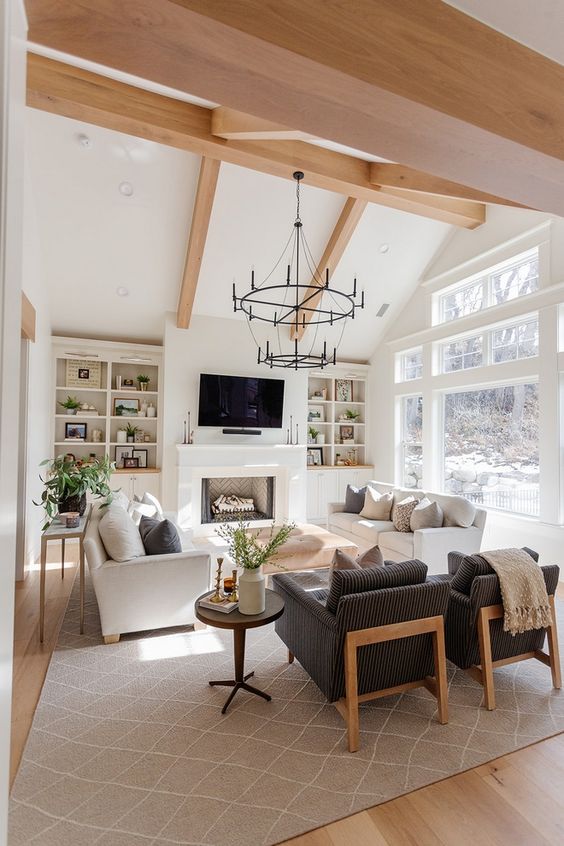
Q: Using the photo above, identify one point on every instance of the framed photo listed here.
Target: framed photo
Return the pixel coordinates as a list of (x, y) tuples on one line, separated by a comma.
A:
[(316, 414), (346, 433), (130, 463), (316, 454), (126, 406), (123, 452), (141, 455), (344, 390), (320, 394), (75, 431), (83, 373)]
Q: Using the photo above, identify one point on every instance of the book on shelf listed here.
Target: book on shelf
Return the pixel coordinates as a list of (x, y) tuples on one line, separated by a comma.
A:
[(225, 606)]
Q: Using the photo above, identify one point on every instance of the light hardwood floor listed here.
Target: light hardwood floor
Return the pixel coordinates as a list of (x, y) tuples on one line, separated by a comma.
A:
[(517, 799)]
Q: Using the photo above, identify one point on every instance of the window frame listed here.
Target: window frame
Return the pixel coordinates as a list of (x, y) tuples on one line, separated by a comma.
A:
[(401, 364), (404, 443)]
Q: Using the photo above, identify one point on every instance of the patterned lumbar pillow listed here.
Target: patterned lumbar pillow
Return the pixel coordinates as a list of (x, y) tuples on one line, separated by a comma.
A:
[(426, 515), (402, 514), (354, 499), (377, 506), (159, 536)]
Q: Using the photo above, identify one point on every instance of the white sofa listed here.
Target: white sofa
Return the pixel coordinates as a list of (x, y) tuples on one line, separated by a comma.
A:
[(150, 592), (429, 545)]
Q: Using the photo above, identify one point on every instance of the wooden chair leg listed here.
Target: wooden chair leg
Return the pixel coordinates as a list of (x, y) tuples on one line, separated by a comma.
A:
[(553, 649), (111, 639), (290, 657), (439, 654), (486, 658), (351, 694)]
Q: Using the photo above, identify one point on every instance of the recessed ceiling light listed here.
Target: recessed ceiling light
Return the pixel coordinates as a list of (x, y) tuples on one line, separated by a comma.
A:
[(126, 188), (84, 140), (384, 248), (122, 291)]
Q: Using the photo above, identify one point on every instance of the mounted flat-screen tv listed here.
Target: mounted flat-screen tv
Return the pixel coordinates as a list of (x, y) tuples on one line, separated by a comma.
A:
[(240, 401)]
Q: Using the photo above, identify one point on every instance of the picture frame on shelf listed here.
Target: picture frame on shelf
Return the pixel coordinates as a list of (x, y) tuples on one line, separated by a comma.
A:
[(316, 454), (141, 455), (130, 462), (83, 373), (319, 394), (126, 406), (344, 390), (75, 431), (346, 433), (316, 414), (122, 452)]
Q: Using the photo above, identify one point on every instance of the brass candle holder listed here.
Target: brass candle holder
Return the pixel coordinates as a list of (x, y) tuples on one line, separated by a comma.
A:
[(234, 594), (217, 597)]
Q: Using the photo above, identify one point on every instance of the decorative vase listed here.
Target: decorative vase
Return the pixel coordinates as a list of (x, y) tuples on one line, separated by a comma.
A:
[(72, 410), (121, 437), (252, 595), (142, 386), (73, 503), (130, 439), (151, 410), (320, 439)]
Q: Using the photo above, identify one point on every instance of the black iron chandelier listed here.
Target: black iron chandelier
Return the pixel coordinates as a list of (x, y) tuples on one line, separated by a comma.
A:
[(296, 305)]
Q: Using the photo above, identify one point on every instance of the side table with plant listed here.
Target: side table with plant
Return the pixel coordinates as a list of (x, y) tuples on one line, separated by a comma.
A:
[(249, 553), (67, 482)]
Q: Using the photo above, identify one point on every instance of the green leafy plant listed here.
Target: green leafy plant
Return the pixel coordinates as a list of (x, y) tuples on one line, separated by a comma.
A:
[(70, 403), (142, 379), (312, 432), (69, 477), (351, 414), (244, 547), (131, 430)]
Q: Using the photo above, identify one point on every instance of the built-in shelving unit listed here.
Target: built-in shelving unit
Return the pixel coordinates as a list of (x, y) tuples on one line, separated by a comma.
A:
[(344, 438), (116, 364)]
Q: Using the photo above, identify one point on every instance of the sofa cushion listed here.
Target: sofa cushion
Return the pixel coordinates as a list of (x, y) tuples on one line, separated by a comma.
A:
[(354, 499), (402, 514), (376, 506), (344, 520), (120, 535), (399, 542), (370, 530), (345, 582), (472, 566), (159, 536), (459, 511), (371, 558), (426, 515)]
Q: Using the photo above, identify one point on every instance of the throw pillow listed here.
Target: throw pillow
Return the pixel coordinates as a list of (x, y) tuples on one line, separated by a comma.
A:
[(426, 515), (371, 558), (403, 512), (354, 499), (137, 510), (376, 506), (459, 512), (149, 499), (120, 498), (343, 561), (159, 536), (120, 535)]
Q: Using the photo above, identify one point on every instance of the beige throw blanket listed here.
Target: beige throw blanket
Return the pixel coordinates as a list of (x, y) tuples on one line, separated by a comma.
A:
[(523, 591)]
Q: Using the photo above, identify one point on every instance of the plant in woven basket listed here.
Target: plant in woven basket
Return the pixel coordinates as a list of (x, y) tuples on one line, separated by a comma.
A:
[(67, 482)]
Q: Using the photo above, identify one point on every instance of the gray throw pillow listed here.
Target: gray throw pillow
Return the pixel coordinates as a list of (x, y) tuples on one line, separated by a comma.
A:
[(159, 536), (426, 515), (371, 558), (354, 499)]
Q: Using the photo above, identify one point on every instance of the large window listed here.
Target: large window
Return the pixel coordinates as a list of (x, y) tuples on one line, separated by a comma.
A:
[(462, 354), (521, 340), (412, 436), (502, 282), (491, 446)]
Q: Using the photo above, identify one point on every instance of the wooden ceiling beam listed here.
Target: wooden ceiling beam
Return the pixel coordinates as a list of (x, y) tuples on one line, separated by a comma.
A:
[(417, 82), (203, 205), (336, 246), (80, 94), (400, 177), (231, 124)]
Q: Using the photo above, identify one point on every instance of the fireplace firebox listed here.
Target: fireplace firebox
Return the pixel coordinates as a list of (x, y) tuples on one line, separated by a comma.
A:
[(225, 499)]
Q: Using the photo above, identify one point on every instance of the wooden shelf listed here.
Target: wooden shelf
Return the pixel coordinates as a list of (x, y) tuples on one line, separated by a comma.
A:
[(79, 441), (135, 470), (131, 417), (69, 390), (80, 416), (350, 402), (135, 392)]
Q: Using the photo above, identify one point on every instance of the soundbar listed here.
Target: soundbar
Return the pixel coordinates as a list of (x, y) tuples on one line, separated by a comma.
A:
[(242, 431)]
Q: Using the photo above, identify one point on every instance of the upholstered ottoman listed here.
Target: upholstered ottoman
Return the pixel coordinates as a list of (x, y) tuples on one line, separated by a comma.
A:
[(307, 547)]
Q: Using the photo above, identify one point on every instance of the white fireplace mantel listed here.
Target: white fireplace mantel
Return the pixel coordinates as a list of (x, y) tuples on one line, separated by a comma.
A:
[(286, 463)]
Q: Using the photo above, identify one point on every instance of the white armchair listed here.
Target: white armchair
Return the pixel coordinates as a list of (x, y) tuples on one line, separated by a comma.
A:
[(150, 592)]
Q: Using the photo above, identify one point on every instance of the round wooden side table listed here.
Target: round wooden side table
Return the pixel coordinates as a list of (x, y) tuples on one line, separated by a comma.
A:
[(239, 623)]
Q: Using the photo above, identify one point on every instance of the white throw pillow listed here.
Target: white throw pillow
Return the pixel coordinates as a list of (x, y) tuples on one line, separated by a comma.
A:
[(120, 498), (137, 510), (149, 499), (120, 535), (458, 512), (426, 515), (377, 506)]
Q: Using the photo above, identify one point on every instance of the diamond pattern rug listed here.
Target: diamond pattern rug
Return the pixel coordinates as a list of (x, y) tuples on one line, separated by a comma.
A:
[(129, 747)]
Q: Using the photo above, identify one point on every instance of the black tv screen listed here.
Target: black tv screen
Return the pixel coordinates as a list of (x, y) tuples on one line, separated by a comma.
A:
[(240, 402)]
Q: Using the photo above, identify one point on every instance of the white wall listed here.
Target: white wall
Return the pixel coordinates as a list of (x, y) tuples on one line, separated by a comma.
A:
[(463, 253), (214, 345), (12, 103), (39, 393)]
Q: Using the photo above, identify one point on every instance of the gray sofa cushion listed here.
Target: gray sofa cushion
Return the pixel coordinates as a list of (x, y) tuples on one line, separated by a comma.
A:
[(345, 582), (354, 499), (400, 543)]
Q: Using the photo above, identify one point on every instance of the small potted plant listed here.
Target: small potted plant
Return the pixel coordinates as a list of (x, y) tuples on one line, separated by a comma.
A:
[(143, 381), (71, 404), (130, 432), (67, 482), (312, 434), (350, 414)]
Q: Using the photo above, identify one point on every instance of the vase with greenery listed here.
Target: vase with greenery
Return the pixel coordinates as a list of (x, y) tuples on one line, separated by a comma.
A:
[(249, 553), (68, 480), (130, 432), (312, 434), (71, 404), (351, 414), (143, 381)]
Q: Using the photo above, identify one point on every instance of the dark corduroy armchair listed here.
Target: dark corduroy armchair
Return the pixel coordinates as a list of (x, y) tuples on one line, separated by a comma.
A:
[(475, 640), (375, 632)]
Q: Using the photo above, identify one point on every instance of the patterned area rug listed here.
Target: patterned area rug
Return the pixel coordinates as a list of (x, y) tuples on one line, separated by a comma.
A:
[(129, 747)]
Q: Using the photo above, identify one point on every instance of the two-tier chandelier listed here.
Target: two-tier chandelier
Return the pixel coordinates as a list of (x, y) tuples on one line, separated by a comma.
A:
[(297, 305)]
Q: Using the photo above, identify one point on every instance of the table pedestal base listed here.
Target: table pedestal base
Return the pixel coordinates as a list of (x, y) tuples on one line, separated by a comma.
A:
[(240, 680)]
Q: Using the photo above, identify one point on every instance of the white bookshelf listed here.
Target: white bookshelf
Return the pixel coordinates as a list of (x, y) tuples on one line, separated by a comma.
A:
[(324, 399)]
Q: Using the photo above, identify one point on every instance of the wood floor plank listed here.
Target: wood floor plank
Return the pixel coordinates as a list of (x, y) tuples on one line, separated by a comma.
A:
[(401, 824), (358, 829)]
